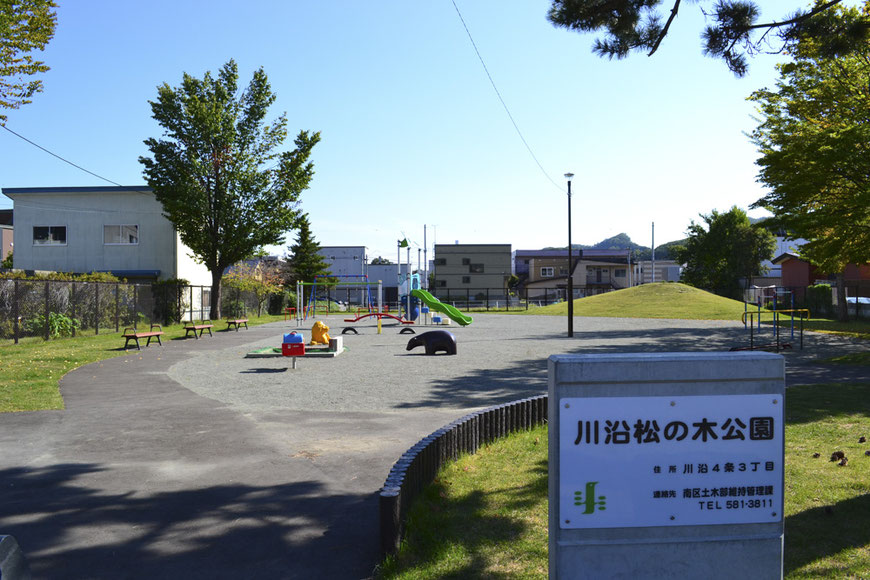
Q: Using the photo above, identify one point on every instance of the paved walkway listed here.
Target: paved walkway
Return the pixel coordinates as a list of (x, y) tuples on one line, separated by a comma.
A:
[(191, 461)]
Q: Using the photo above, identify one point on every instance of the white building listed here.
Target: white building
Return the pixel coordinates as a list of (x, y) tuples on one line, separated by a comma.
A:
[(79, 230), (349, 265)]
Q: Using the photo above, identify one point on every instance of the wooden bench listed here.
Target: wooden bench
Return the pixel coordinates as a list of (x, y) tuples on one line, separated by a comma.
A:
[(206, 325), (131, 334), (237, 322)]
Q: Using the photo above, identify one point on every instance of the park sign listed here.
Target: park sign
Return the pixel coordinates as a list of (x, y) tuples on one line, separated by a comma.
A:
[(666, 465)]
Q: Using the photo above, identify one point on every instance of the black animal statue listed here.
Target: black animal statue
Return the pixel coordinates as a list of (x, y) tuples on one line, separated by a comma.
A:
[(434, 341)]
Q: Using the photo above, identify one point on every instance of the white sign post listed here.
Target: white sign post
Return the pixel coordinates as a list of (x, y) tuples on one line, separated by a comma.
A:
[(666, 465)]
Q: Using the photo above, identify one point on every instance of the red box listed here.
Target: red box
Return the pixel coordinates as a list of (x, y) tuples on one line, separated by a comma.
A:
[(293, 349)]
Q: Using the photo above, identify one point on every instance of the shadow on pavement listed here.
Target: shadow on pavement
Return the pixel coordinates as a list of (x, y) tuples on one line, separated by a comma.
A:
[(224, 531)]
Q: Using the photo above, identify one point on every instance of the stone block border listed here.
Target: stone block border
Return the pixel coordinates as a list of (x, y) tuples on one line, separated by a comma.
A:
[(417, 467)]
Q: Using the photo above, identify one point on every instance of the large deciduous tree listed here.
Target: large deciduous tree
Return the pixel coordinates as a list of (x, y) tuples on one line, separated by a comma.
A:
[(727, 249), (218, 170), (814, 142), (734, 30), (25, 26)]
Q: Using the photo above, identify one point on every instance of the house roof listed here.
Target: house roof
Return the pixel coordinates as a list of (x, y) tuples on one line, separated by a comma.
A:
[(94, 189), (786, 256)]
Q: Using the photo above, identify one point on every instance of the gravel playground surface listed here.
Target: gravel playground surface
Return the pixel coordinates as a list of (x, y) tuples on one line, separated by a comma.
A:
[(192, 461)]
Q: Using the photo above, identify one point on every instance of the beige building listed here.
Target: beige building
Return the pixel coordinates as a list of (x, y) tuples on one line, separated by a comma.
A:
[(471, 269), (594, 272)]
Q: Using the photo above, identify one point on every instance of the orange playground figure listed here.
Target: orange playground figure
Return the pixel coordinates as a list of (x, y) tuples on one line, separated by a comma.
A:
[(319, 333)]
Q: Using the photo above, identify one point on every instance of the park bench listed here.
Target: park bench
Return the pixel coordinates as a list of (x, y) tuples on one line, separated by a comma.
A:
[(130, 333), (205, 325), (237, 322)]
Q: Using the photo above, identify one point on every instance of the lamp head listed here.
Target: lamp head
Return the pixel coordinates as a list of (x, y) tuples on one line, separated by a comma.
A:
[(569, 176)]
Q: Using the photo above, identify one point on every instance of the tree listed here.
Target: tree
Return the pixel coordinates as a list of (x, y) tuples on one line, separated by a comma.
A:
[(7, 261), (262, 280), (25, 26), (729, 248), (814, 145), (303, 260), (218, 172), (636, 25), (379, 260)]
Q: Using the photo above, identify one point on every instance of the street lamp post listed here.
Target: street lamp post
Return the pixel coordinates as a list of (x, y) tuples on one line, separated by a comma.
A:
[(568, 176)]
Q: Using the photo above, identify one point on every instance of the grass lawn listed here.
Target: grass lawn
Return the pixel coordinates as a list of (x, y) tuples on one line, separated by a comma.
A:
[(486, 514), (30, 370)]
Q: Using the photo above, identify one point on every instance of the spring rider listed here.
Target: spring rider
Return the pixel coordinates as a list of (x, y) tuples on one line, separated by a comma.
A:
[(319, 333)]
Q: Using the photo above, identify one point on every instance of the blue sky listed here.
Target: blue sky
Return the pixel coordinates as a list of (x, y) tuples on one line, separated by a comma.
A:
[(412, 131)]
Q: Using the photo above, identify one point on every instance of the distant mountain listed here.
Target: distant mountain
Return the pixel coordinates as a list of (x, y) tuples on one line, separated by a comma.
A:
[(618, 242), (623, 242)]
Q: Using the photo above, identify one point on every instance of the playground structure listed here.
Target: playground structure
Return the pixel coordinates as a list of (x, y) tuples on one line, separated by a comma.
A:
[(438, 306), (777, 344), (305, 310)]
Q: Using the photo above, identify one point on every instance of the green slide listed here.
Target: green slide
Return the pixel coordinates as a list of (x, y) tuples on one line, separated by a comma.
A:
[(438, 306)]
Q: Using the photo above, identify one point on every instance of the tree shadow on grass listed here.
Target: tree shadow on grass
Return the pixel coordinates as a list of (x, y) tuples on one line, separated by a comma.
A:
[(810, 403), (296, 530), (824, 532), (444, 526)]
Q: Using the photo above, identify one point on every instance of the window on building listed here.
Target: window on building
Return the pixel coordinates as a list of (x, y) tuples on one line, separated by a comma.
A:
[(123, 234), (563, 271), (441, 283), (547, 272), (466, 261), (619, 273), (475, 269), (49, 235), (466, 279), (440, 261)]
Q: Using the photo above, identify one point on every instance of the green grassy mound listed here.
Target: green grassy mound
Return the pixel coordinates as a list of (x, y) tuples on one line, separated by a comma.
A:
[(660, 300)]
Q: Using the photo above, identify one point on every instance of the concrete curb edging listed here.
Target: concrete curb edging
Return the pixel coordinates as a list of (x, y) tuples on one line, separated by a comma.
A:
[(417, 467), (13, 564)]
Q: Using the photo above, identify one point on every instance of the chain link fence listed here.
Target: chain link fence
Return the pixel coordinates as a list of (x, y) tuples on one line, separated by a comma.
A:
[(56, 309)]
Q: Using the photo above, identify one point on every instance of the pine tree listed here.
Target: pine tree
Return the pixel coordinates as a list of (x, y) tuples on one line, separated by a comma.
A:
[(304, 261)]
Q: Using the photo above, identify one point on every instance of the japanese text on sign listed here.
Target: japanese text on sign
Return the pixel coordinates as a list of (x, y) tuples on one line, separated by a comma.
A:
[(649, 461)]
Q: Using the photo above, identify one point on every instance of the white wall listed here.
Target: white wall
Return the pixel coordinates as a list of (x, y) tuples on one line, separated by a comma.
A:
[(84, 212)]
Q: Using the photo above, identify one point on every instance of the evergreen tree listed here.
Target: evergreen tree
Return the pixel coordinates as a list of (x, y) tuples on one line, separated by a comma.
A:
[(303, 260), (734, 32)]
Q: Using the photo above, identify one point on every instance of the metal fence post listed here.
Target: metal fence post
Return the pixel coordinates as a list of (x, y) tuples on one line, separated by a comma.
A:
[(46, 309), (15, 312), (96, 308), (73, 313)]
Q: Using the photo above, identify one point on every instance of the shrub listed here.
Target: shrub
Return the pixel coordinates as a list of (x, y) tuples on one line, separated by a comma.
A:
[(819, 300), (169, 300), (59, 325)]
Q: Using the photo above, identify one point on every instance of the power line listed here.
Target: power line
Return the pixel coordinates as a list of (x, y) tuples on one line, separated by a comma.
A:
[(503, 104), (22, 137)]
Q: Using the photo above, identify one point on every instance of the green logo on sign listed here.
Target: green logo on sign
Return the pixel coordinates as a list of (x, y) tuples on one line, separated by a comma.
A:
[(590, 501)]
